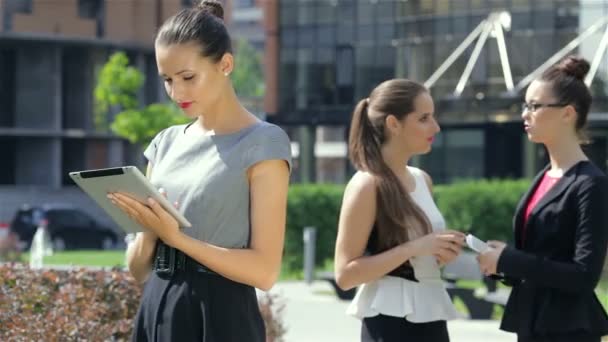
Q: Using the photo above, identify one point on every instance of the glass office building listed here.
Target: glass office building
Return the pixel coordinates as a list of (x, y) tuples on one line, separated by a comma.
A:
[(333, 52)]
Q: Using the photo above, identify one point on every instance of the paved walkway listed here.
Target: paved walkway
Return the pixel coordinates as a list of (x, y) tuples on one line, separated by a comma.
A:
[(314, 314)]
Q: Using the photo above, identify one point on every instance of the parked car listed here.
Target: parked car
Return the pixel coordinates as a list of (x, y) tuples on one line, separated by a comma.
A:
[(69, 228), (4, 229)]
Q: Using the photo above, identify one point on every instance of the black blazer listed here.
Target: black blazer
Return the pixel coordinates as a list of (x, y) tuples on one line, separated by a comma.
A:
[(554, 273)]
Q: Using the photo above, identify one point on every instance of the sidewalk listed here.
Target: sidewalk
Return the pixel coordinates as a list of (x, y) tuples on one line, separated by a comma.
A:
[(314, 314)]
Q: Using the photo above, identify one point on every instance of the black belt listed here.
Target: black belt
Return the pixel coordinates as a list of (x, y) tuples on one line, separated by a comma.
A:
[(168, 261), (405, 272)]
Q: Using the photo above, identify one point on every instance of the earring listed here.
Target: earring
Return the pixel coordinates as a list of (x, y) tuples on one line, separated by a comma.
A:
[(226, 74)]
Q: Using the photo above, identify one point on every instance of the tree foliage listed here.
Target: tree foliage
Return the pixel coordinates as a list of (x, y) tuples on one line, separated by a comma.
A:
[(117, 86), (248, 76), (139, 126)]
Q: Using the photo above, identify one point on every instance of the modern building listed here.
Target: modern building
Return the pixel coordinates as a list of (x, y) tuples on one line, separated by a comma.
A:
[(333, 52)]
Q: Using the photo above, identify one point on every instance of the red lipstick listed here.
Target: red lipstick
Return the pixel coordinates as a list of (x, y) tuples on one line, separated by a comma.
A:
[(184, 105)]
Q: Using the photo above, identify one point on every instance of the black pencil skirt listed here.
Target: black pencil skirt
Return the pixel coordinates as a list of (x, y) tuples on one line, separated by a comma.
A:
[(383, 328), (573, 337), (198, 306)]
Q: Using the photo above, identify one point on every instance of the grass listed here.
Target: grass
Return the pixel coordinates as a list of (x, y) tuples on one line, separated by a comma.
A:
[(84, 258), (114, 258)]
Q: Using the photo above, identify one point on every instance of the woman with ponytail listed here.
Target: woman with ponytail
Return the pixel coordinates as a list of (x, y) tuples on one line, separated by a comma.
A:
[(230, 172), (561, 223), (391, 237)]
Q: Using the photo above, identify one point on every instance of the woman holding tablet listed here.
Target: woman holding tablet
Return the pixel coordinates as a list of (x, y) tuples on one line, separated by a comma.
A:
[(561, 223), (230, 173), (391, 236)]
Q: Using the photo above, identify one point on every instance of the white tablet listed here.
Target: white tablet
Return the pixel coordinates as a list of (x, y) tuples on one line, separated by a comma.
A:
[(128, 179)]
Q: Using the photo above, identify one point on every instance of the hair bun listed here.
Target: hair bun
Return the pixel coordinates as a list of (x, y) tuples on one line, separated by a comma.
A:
[(574, 66), (213, 7)]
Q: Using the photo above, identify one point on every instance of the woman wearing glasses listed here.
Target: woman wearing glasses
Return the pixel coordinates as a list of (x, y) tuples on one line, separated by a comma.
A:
[(561, 223)]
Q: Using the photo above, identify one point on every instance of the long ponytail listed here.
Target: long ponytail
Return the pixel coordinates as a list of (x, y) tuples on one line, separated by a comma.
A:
[(398, 218)]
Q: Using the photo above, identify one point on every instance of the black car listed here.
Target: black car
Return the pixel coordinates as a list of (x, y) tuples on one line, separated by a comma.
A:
[(69, 228)]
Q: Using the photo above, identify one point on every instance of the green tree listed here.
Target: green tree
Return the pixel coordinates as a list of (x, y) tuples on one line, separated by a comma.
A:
[(139, 126), (247, 77), (117, 86)]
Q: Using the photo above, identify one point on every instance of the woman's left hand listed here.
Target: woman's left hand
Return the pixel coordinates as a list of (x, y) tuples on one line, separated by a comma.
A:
[(488, 259), (151, 216)]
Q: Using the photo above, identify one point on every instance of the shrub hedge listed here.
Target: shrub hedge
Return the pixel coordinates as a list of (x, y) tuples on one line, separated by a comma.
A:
[(82, 305), (483, 207)]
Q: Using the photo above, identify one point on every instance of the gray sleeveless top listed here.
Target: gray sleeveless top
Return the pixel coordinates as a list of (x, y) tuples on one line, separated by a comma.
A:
[(207, 175)]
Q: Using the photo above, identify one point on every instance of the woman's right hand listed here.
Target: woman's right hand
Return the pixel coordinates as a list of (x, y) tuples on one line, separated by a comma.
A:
[(150, 234), (445, 245)]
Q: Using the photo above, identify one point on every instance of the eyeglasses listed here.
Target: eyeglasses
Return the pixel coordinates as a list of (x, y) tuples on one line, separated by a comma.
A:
[(533, 107)]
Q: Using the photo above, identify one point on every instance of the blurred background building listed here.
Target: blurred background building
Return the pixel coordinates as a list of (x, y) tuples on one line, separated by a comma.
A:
[(333, 52)]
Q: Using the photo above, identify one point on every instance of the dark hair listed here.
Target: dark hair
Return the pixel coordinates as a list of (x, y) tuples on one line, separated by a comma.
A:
[(202, 24), (568, 86), (396, 214)]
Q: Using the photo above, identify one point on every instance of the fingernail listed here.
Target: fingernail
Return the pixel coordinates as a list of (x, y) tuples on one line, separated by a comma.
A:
[(150, 200), (161, 189)]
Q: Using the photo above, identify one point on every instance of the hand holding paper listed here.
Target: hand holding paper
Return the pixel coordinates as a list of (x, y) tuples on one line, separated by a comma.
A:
[(475, 243)]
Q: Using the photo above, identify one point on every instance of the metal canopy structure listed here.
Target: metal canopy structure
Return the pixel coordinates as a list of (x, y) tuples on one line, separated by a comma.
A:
[(495, 25), (599, 53)]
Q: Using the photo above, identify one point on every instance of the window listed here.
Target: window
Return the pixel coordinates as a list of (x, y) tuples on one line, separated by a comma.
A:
[(543, 19), (346, 33), (442, 26), (305, 13), (89, 8), (460, 25), (289, 37), (326, 35), (346, 12), (326, 13), (521, 19), (460, 7), (520, 58), (385, 10), (428, 6), (365, 12), (303, 77), (366, 33), (326, 73), (287, 79), (457, 154), (522, 5), (289, 14), (306, 36), (386, 33), (8, 67), (345, 71)]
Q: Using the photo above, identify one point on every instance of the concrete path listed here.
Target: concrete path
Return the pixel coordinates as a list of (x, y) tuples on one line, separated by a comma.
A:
[(314, 314)]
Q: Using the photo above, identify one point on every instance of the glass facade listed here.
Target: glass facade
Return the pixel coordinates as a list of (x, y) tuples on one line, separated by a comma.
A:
[(333, 52)]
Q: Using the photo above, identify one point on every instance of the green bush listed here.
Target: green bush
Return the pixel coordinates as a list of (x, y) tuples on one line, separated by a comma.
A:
[(482, 207), (315, 205)]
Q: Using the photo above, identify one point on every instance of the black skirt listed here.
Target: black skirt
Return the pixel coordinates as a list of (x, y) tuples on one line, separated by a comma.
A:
[(383, 328), (191, 305)]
